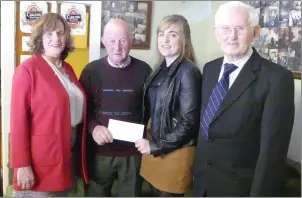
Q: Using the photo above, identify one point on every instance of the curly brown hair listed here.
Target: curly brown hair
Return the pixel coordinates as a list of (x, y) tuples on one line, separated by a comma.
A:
[(48, 22)]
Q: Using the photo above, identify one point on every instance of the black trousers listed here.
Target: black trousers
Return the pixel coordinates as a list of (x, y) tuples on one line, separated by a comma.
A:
[(122, 170)]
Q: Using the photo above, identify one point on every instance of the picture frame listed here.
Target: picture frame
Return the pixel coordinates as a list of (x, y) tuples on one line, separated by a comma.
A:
[(136, 13), (280, 37)]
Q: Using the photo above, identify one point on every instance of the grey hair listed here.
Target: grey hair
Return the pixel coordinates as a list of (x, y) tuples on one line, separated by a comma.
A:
[(226, 7)]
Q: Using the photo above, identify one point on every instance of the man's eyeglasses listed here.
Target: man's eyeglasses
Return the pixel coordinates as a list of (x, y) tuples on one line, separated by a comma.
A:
[(239, 30)]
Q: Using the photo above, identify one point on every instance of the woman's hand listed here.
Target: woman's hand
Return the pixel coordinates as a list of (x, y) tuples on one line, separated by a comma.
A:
[(143, 146), (25, 177)]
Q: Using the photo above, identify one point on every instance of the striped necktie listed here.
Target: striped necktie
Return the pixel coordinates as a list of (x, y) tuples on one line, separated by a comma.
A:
[(216, 98)]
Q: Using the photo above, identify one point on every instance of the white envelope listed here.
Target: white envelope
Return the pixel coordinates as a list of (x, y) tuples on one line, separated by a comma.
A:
[(125, 131)]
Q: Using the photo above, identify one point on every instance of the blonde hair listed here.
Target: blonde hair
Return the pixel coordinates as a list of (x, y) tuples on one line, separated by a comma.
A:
[(48, 22), (187, 51)]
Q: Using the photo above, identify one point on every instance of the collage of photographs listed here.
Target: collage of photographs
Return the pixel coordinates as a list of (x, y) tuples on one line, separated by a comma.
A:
[(280, 37), (134, 12)]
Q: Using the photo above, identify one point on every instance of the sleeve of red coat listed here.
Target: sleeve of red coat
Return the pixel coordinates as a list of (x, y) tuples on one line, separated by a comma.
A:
[(20, 155)]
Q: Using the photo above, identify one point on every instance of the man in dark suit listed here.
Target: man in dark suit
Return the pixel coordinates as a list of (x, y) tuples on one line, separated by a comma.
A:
[(247, 113)]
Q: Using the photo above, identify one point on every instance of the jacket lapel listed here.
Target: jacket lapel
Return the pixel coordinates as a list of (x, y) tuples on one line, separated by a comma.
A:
[(49, 74), (173, 69), (211, 80), (150, 79), (241, 84), (74, 79), (72, 75)]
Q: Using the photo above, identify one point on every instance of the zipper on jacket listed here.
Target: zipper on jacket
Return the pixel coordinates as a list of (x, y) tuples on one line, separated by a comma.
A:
[(143, 106), (162, 115), (144, 93)]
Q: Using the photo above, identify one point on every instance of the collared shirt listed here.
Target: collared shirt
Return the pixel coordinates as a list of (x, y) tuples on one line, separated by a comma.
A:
[(239, 63), (126, 63)]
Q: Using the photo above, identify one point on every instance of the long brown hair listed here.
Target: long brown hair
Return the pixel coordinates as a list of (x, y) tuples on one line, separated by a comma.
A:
[(187, 51), (48, 22)]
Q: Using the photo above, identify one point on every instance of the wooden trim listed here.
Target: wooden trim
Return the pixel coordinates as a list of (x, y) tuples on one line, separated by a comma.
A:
[(297, 75), (148, 29)]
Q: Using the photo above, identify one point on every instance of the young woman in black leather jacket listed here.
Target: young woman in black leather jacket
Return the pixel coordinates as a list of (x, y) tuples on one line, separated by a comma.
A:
[(172, 100)]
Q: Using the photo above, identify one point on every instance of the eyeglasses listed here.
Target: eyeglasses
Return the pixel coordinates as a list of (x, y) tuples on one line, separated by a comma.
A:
[(240, 30)]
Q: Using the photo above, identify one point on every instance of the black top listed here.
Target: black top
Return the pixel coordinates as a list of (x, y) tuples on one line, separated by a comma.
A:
[(155, 99)]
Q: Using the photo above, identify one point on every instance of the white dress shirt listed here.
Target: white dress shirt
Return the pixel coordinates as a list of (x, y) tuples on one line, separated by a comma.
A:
[(239, 63), (76, 97)]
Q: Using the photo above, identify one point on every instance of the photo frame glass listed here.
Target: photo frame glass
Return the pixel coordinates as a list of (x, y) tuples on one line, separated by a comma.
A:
[(280, 37), (136, 13)]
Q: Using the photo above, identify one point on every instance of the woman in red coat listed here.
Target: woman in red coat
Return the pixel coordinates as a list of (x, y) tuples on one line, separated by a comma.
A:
[(48, 111)]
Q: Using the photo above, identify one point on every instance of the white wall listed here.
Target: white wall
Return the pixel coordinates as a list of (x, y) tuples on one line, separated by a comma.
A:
[(294, 151), (7, 70)]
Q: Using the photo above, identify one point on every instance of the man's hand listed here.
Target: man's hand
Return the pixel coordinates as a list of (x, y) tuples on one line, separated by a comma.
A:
[(143, 146), (101, 135), (25, 178)]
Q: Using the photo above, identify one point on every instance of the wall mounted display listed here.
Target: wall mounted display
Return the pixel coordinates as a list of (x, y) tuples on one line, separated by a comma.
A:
[(280, 37), (30, 11), (75, 15), (136, 13)]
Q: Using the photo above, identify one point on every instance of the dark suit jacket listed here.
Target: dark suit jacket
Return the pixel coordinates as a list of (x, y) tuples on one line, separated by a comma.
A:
[(250, 133)]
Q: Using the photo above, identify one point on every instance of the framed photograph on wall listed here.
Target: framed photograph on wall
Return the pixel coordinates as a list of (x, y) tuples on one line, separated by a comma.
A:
[(280, 37), (136, 13)]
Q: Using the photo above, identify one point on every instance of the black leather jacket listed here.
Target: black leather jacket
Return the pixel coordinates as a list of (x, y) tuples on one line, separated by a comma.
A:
[(177, 124)]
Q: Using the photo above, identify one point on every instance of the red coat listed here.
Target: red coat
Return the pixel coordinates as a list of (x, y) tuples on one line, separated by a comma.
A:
[(40, 133)]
